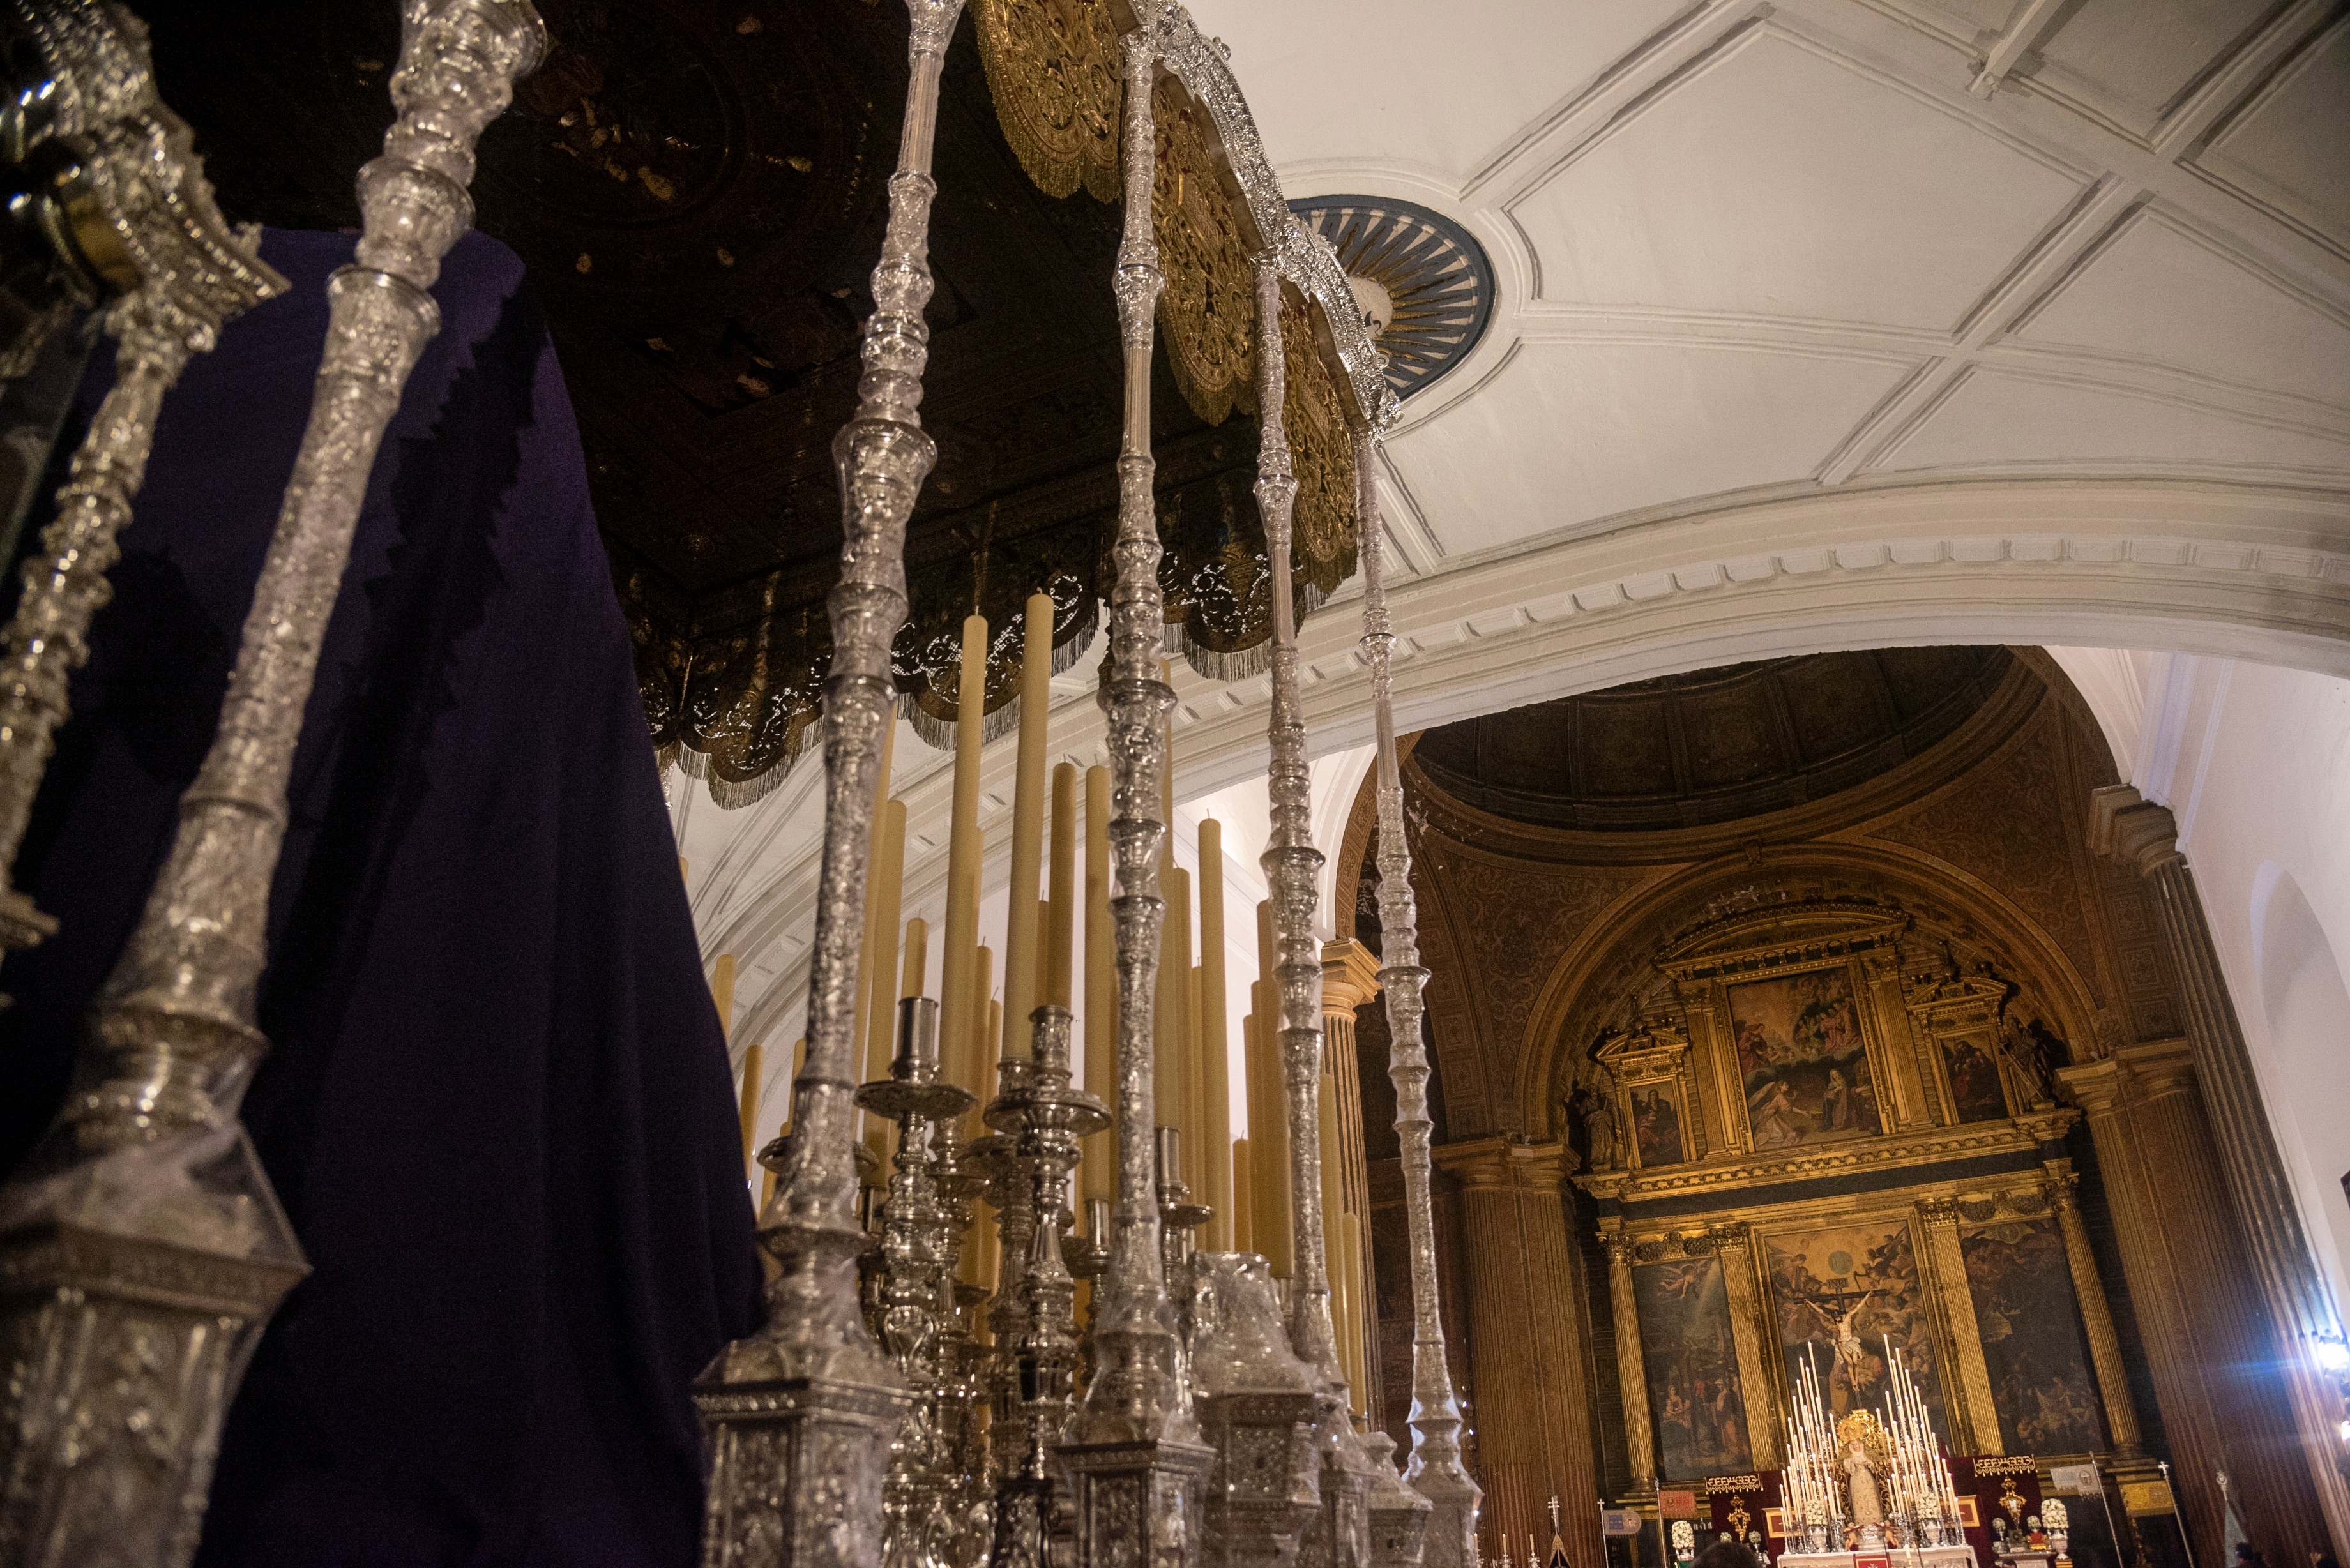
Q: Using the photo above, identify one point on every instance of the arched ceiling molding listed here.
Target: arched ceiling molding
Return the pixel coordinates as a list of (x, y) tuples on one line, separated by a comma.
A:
[(2257, 573), (1551, 1047)]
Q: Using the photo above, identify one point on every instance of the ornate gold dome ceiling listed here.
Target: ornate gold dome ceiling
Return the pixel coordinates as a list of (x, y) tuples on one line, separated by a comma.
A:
[(1713, 747)]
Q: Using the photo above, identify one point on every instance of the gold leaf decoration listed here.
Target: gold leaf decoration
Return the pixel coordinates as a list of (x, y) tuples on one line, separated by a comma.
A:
[(1322, 451), (1207, 312), (1053, 70)]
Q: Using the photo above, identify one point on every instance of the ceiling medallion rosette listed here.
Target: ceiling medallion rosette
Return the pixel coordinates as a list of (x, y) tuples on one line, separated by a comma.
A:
[(1432, 287)]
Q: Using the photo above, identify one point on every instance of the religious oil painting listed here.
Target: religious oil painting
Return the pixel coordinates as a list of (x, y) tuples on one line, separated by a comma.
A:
[(1659, 1116), (1975, 1093), (2032, 1339), (1801, 1059), (1692, 1365), (1845, 1295)]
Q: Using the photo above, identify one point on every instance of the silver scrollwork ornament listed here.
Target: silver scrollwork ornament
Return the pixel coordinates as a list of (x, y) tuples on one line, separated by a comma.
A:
[(141, 1248)]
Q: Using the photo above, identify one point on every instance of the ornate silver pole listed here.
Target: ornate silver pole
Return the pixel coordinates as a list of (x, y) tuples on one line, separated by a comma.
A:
[(800, 1413), (1435, 1468), (1135, 1461), (143, 1233), (132, 196), (1341, 1538)]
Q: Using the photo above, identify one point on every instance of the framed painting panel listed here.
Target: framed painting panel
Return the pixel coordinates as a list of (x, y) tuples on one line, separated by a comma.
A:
[(1843, 1292), (1972, 1073), (1658, 1113), (2033, 1348), (1694, 1396), (1803, 1059)]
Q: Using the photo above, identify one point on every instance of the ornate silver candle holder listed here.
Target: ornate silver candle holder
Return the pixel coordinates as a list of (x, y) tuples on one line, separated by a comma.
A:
[(963, 1357), (1260, 1410), (917, 1527), (1178, 1216), (1037, 1339)]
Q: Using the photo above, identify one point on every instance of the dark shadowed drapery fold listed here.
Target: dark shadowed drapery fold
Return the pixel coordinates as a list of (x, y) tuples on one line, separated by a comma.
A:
[(497, 1105)]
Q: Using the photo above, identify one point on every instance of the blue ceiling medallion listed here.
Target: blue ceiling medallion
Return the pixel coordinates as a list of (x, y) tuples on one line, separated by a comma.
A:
[(1437, 281)]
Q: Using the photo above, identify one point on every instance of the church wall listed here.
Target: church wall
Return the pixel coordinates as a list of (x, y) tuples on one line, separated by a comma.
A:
[(1943, 942)]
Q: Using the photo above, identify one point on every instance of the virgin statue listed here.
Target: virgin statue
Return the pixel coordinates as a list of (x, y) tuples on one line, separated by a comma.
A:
[(1860, 1472)]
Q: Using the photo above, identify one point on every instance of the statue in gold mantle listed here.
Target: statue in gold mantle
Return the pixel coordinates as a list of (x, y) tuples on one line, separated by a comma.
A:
[(1865, 1456)]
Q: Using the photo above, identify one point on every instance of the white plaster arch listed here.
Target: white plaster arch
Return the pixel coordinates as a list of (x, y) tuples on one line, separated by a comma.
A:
[(2242, 572)]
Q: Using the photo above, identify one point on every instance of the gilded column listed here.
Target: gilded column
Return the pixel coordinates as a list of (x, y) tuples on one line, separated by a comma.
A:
[(1966, 1386), (1631, 1365), (1350, 977), (1528, 1334), (2211, 1343), (2096, 1317), (2304, 1314), (1751, 1330)]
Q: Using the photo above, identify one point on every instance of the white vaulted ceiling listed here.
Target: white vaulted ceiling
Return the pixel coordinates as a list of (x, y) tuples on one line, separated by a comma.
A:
[(1750, 250), (1800, 344)]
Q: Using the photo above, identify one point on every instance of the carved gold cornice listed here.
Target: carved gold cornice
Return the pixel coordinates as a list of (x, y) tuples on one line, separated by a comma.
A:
[(1929, 1146), (1497, 1164), (1754, 944), (2131, 1074)]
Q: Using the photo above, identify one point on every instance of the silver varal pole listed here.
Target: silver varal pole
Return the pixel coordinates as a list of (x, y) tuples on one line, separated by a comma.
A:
[(1435, 1470), (801, 1413), (1341, 1538), (141, 1247), (1136, 1464), (147, 237)]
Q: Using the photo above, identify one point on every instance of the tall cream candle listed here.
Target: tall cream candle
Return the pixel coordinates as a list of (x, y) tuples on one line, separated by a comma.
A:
[(917, 969), (1021, 934), (978, 1058), (1172, 1078), (1215, 1056), (1196, 1160), (1274, 1220), (1244, 1238), (878, 988), (1061, 908), (1099, 1177), (755, 1060), (960, 943), (874, 969)]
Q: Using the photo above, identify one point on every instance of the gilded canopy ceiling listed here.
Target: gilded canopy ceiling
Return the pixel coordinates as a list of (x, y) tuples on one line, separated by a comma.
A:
[(695, 191)]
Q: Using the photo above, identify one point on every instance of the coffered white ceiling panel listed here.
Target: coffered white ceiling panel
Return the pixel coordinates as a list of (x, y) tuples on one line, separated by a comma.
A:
[(2286, 150), (1774, 178), (1595, 431), (2002, 423), (2159, 293), (2133, 62), (1441, 88)]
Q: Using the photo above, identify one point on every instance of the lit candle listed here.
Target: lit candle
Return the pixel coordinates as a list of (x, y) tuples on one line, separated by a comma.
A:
[(1061, 927), (1215, 1061), (963, 851), (1027, 826)]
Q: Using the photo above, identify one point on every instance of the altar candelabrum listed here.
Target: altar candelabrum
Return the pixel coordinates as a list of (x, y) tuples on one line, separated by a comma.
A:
[(1178, 1217), (1045, 1117), (916, 1291), (962, 1358)]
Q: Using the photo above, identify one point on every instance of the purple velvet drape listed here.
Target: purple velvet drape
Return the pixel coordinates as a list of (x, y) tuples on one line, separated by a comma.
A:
[(497, 1102)]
